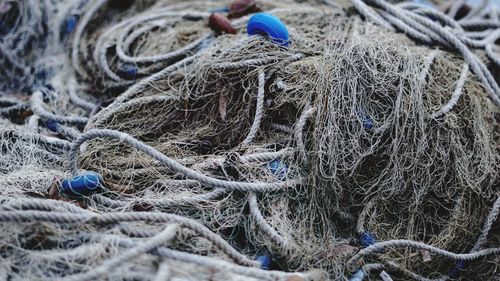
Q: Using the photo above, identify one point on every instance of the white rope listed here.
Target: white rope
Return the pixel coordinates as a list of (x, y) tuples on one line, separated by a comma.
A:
[(37, 107), (137, 89), (114, 218), (164, 272), (459, 88), (110, 265), (220, 265), (262, 223), (299, 127), (80, 29), (77, 100), (443, 36), (169, 162), (259, 110), (419, 246), (492, 217)]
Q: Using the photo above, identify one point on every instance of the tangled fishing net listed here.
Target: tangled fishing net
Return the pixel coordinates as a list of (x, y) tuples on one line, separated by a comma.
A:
[(367, 148)]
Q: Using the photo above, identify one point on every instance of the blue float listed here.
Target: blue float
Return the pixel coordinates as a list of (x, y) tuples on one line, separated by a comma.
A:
[(278, 168), (71, 23), (52, 125), (80, 186), (365, 119), (265, 261), (269, 25), (368, 123), (128, 72), (456, 270), (367, 239)]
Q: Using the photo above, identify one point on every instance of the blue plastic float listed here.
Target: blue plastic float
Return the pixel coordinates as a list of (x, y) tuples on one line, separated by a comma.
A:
[(71, 23), (269, 25), (368, 123), (365, 119), (367, 239), (265, 261), (52, 125), (128, 72), (80, 186)]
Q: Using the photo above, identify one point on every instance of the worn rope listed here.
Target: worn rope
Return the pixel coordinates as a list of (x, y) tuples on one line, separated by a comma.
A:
[(262, 223), (169, 162), (459, 88), (259, 110), (492, 217), (218, 264), (113, 218), (164, 272), (82, 25), (111, 264), (37, 107), (442, 35), (377, 247)]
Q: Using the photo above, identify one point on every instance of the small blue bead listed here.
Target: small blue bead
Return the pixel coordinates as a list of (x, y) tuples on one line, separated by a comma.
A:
[(71, 23), (128, 72), (278, 168), (265, 261), (83, 185), (365, 119), (131, 72), (52, 125), (455, 271), (368, 123), (367, 239)]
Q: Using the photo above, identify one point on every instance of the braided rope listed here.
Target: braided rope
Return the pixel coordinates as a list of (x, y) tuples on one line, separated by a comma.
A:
[(419, 246), (169, 162), (299, 127), (262, 223), (456, 94), (438, 33), (114, 218), (163, 273), (111, 264), (79, 33), (214, 263), (137, 89), (77, 100), (492, 217), (259, 111), (36, 106)]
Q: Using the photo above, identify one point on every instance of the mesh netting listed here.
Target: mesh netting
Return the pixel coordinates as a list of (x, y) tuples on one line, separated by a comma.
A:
[(368, 147)]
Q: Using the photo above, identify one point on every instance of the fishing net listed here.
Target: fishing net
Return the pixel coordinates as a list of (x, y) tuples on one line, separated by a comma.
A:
[(355, 147)]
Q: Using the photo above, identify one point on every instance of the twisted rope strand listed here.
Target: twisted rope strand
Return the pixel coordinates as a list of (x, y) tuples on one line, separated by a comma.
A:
[(169, 162), (143, 247), (419, 246), (259, 111), (114, 218)]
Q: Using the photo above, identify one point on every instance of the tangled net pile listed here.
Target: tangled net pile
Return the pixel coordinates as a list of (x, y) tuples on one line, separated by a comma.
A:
[(367, 148)]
